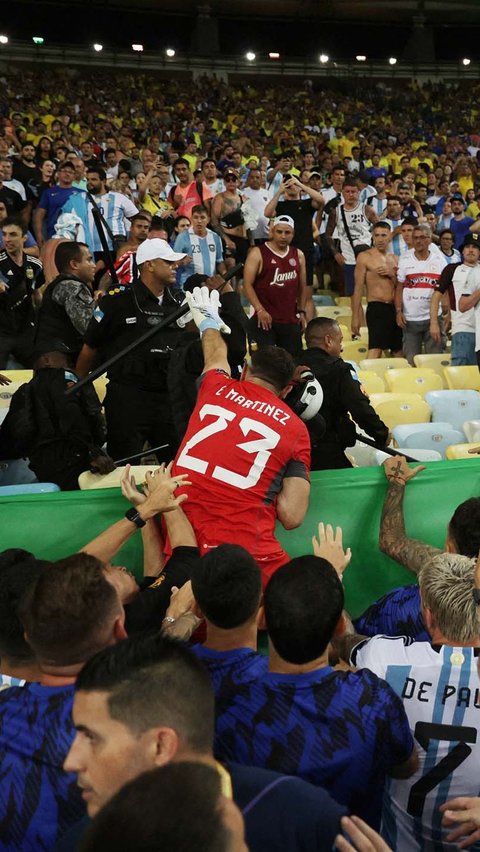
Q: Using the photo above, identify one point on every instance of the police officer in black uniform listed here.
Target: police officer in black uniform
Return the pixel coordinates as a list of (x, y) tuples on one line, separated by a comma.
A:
[(137, 404), (20, 275), (67, 304), (342, 395)]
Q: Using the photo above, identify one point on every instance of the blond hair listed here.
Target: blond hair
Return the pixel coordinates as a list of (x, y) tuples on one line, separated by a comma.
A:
[(446, 588)]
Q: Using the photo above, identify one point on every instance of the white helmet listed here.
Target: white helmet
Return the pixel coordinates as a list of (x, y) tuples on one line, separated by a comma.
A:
[(306, 397)]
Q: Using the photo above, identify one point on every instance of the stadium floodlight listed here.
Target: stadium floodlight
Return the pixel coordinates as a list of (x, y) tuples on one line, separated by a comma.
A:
[(138, 48), (38, 39), (392, 60), (250, 56), (466, 61), (170, 52), (361, 58), (3, 39), (274, 56), (324, 58), (98, 47)]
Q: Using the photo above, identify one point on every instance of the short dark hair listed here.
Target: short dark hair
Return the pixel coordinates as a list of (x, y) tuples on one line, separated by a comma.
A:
[(410, 220), (303, 602), (320, 326), (172, 807), (66, 252), (16, 579), (274, 365), (152, 681), (441, 234), (464, 527), (97, 170), (381, 224), (227, 585), (199, 208), (351, 181), (15, 220), (180, 161), (69, 612), (208, 160)]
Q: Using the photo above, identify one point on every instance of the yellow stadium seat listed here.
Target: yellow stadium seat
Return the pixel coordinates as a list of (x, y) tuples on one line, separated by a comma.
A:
[(343, 300), (381, 365), (347, 334), (371, 382), (434, 362), (460, 451), (414, 380), (341, 313), (100, 386), (399, 408), (354, 350), (462, 378)]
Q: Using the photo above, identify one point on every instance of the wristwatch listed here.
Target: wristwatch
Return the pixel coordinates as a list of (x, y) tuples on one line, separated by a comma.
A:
[(134, 516)]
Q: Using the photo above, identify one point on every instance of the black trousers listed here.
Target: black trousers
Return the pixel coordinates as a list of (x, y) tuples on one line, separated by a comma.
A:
[(135, 416), (19, 345), (284, 334)]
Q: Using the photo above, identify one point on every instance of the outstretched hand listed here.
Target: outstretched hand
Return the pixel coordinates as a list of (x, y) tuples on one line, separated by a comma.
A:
[(129, 487), (329, 546), (205, 306), (397, 470), (4, 380)]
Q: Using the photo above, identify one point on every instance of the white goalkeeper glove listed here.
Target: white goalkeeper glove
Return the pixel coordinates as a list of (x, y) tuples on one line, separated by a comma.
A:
[(204, 306)]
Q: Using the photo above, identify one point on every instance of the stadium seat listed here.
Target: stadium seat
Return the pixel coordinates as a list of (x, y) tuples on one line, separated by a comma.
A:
[(100, 386), (416, 453), (413, 380), (341, 313), (434, 362), (354, 349), (347, 334), (17, 378), (462, 378), (322, 300), (28, 488), (381, 365), (454, 406), (471, 429), (343, 300), (88, 480), (428, 436), (461, 451), (362, 455), (371, 382), (16, 472), (395, 409)]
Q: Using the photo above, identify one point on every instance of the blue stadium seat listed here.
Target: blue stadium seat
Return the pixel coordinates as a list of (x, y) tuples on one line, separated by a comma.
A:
[(454, 406)]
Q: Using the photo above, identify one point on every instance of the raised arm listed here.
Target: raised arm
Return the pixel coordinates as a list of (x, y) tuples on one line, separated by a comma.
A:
[(393, 540)]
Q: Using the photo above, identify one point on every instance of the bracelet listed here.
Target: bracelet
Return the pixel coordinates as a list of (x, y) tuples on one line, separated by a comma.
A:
[(169, 620), (259, 310)]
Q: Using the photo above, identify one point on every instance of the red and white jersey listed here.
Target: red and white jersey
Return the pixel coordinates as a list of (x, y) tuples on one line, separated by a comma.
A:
[(419, 278), (240, 443)]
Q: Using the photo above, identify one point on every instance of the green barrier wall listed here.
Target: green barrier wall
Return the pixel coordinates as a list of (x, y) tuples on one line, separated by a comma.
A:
[(54, 525)]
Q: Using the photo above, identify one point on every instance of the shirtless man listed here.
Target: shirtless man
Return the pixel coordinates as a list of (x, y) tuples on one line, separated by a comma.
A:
[(376, 270), (227, 219)]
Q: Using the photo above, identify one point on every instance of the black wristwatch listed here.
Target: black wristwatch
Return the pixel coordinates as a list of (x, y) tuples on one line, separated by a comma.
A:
[(134, 516)]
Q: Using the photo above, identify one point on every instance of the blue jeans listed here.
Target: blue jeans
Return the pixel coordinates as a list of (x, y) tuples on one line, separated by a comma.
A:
[(463, 349)]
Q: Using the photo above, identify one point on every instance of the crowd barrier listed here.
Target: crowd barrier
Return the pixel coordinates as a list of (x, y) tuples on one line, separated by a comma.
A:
[(56, 524)]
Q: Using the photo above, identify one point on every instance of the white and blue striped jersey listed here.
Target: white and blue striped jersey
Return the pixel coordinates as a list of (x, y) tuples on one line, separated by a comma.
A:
[(378, 205), (205, 252), (397, 245), (440, 689), (115, 208)]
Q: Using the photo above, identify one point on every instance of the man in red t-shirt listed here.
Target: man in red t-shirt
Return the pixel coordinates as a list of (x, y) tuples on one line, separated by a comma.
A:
[(246, 453), (274, 282)]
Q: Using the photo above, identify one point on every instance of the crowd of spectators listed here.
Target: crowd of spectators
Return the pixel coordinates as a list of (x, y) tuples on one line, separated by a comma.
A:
[(140, 713)]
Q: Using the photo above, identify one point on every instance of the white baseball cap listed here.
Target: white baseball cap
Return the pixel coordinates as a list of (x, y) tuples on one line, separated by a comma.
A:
[(156, 249), (284, 220)]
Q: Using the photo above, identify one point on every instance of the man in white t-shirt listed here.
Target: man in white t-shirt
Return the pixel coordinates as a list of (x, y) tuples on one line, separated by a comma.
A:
[(439, 684), (470, 299), (455, 279), (259, 197), (417, 277)]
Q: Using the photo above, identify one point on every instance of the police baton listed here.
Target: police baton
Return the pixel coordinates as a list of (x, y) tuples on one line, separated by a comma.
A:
[(173, 317), (388, 450)]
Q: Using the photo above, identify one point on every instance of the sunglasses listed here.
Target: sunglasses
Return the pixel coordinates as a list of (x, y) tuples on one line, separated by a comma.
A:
[(230, 179)]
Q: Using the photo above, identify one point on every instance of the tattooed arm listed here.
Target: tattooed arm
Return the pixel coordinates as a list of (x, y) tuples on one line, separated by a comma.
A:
[(393, 538)]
